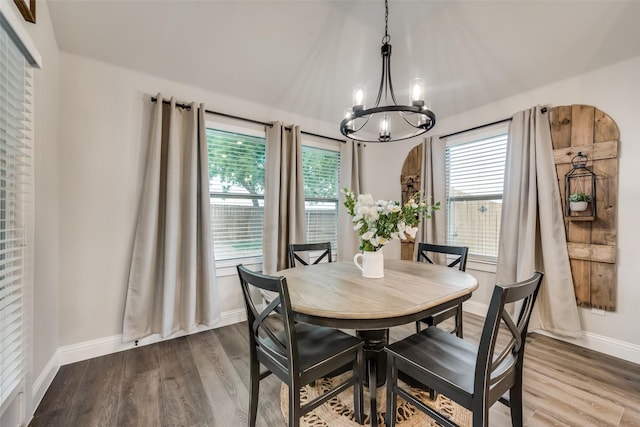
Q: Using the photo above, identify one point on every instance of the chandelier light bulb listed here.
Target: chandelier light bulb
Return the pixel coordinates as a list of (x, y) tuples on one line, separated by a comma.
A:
[(385, 129), (358, 98), (348, 115), (417, 92)]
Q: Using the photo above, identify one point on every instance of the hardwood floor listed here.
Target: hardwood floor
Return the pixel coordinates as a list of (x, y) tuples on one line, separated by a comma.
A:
[(202, 380)]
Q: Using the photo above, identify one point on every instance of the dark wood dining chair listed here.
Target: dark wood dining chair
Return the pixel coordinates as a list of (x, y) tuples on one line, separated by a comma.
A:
[(460, 253), (304, 249), (297, 353), (474, 376)]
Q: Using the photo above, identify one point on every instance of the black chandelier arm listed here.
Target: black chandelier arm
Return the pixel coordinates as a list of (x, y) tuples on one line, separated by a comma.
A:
[(343, 125), (428, 113)]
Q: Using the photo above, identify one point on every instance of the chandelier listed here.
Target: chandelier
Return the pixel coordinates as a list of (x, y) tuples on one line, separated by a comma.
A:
[(394, 122)]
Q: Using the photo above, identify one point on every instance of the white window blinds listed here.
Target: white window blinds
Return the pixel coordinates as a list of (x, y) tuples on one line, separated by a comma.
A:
[(236, 183), (475, 181), (321, 171), (15, 192)]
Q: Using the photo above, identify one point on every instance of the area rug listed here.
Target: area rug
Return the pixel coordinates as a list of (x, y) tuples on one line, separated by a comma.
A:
[(338, 412)]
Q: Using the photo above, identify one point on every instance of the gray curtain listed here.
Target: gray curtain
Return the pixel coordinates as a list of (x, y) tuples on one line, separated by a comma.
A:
[(433, 185), (171, 279), (284, 220), (351, 176), (532, 234)]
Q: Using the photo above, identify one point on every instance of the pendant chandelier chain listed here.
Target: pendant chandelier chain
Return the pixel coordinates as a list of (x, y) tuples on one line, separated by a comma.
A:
[(386, 37)]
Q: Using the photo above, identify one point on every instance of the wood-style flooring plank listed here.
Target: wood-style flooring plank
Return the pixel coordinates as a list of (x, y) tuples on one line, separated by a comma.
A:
[(63, 389), (220, 380), (140, 402), (96, 402), (185, 401)]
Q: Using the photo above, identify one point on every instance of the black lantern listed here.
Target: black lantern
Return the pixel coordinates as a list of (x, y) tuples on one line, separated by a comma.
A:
[(580, 190)]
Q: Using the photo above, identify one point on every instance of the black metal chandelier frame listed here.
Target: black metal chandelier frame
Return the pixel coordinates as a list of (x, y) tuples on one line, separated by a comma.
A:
[(425, 118)]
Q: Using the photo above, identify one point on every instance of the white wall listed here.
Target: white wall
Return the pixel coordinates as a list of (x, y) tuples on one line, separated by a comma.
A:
[(614, 90)]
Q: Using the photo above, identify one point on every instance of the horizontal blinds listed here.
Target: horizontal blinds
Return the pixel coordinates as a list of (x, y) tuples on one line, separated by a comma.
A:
[(321, 170), (236, 183), (475, 182), (15, 181)]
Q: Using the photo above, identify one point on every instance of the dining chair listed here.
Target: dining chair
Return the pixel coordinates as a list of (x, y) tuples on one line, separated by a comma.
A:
[(474, 376), (460, 253), (297, 353), (304, 249)]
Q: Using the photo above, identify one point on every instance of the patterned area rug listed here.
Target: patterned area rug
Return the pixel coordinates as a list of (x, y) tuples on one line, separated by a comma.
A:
[(338, 412)]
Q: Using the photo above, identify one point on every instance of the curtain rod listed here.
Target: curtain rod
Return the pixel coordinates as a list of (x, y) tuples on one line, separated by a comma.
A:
[(544, 110), (257, 122)]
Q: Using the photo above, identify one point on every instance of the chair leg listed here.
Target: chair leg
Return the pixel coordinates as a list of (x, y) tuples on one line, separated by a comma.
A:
[(459, 321), (254, 390), (358, 397), (294, 404), (515, 404), (392, 382)]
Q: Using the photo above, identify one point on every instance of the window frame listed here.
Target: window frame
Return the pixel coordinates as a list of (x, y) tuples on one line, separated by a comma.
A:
[(227, 267), (475, 261)]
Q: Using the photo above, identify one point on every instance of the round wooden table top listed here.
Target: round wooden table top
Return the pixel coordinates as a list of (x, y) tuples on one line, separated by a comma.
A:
[(335, 294)]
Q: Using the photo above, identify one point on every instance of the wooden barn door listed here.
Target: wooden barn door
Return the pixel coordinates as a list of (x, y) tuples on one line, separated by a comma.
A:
[(591, 244)]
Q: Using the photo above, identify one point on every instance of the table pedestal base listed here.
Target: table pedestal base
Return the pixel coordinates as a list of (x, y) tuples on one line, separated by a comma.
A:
[(376, 361)]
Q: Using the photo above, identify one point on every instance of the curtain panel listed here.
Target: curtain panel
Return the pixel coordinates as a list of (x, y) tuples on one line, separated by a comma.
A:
[(433, 185), (532, 233), (171, 286), (351, 176), (284, 217)]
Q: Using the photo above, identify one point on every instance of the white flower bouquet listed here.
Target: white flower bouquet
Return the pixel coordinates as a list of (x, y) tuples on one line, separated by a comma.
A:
[(377, 222)]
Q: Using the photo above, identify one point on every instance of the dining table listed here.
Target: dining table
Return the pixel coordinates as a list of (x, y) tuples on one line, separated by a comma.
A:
[(336, 295)]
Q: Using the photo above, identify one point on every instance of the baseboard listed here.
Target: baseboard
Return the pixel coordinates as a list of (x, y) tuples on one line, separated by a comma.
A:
[(600, 343), (113, 344), (44, 380)]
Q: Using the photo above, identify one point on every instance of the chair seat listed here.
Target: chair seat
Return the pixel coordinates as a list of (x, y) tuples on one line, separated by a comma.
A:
[(448, 358), (313, 347)]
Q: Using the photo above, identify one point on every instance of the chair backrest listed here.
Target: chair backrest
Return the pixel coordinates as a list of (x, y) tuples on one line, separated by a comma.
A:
[(295, 250), (497, 365), (460, 251), (271, 337)]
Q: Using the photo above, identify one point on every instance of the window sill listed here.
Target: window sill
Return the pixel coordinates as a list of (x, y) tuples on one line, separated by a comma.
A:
[(486, 264), (227, 267)]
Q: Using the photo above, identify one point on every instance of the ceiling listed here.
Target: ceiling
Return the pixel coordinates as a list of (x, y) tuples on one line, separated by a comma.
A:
[(306, 56)]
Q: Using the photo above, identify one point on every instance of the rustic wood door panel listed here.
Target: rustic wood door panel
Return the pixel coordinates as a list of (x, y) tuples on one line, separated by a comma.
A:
[(591, 244)]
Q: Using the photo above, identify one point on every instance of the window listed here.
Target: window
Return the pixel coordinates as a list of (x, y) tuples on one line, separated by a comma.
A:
[(15, 208), (321, 170), (475, 181), (236, 183)]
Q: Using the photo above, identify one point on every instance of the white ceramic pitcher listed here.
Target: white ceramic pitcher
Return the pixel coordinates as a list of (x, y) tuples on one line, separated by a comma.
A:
[(372, 265)]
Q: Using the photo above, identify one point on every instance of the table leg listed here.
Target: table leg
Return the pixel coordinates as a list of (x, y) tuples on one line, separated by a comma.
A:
[(376, 362), (374, 343), (373, 394)]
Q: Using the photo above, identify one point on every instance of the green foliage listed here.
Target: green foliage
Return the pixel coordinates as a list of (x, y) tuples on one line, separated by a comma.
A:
[(239, 159), (580, 197)]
